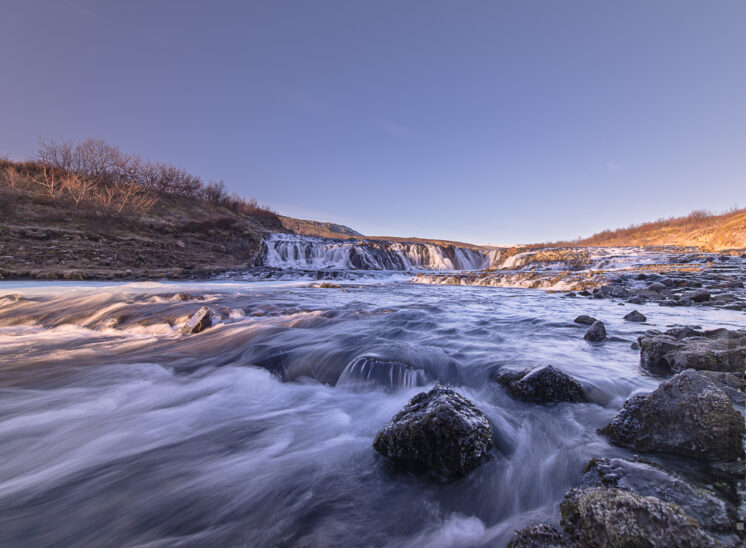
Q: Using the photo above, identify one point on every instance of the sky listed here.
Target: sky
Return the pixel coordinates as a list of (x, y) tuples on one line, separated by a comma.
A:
[(492, 122)]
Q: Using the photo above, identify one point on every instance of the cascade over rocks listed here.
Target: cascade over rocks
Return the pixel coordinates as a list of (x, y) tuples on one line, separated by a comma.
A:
[(686, 348), (440, 431), (686, 415), (542, 384)]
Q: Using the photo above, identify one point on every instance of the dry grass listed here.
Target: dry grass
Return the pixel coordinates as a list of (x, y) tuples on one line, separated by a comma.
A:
[(703, 229)]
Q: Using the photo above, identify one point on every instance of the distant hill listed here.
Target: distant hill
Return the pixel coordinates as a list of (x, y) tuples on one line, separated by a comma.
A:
[(317, 228), (700, 228)]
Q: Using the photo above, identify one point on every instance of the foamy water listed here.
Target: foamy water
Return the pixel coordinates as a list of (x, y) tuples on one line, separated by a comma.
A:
[(116, 430)]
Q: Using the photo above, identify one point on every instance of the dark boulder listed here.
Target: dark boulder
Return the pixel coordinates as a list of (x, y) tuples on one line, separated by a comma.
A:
[(439, 430), (699, 295), (585, 320), (635, 316), (686, 348), (596, 332), (201, 320), (686, 415), (543, 385), (607, 516), (540, 536), (649, 480)]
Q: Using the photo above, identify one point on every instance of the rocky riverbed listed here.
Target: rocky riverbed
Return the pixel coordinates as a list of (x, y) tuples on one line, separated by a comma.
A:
[(301, 413)]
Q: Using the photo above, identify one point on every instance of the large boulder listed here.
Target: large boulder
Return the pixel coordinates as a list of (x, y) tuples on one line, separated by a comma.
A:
[(607, 516), (200, 320), (544, 385), (686, 415), (686, 348), (649, 480), (440, 431), (596, 332)]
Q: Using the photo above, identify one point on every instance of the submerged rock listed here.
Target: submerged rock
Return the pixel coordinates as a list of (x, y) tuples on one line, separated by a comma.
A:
[(543, 384), (686, 415), (651, 481), (596, 332), (607, 516), (439, 430), (585, 320), (201, 320), (635, 316), (686, 348)]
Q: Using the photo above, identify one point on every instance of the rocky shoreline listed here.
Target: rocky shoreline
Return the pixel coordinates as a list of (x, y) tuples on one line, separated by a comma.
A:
[(692, 418)]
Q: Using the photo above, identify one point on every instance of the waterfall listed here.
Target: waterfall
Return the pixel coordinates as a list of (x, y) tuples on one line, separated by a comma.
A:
[(290, 251)]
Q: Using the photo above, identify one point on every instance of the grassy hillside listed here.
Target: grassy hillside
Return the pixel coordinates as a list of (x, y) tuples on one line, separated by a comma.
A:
[(700, 228), (57, 224)]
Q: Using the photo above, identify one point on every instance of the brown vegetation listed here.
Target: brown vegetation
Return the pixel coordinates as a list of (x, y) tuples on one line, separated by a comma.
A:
[(704, 229), (93, 209)]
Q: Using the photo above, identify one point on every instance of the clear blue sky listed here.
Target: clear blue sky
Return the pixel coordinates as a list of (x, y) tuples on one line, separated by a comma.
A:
[(489, 122)]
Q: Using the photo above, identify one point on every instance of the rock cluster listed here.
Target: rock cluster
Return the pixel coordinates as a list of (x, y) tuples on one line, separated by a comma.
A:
[(438, 431)]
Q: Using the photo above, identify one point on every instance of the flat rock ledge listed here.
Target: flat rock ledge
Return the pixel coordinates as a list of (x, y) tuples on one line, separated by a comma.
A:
[(685, 348), (545, 384), (687, 415), (438, 431)]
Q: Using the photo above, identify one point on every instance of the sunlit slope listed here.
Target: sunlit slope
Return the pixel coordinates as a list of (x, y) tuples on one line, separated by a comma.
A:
[(712, 232)]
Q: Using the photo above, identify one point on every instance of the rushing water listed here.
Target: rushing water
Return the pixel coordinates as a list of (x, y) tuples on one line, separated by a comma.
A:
[(302, 252), (116, 430)]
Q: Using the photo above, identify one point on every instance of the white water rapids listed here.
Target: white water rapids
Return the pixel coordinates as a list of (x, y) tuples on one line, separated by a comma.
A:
[(117, 431)]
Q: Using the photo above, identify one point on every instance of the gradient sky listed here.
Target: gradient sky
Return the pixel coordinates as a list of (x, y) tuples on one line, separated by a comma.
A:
[(489, 122)]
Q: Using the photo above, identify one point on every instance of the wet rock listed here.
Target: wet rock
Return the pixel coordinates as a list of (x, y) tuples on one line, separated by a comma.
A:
[(637, 299), (651, 481), (686, 415), (540, 536), (734, 385), (656, 286), (635, 316), (699, 295), (201, 320), (685, 348), (585, 320), (607, 516), (596, 332), (542, 385), (439, 430)]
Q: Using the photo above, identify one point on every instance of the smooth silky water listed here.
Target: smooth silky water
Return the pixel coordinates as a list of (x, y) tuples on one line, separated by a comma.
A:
[(258, 431)]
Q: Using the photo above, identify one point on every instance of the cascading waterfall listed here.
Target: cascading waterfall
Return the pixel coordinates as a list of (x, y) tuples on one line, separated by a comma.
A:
[(289, 251)]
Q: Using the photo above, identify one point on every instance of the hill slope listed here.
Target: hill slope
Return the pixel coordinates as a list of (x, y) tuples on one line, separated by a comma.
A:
[(701, 229), (317, 228)]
